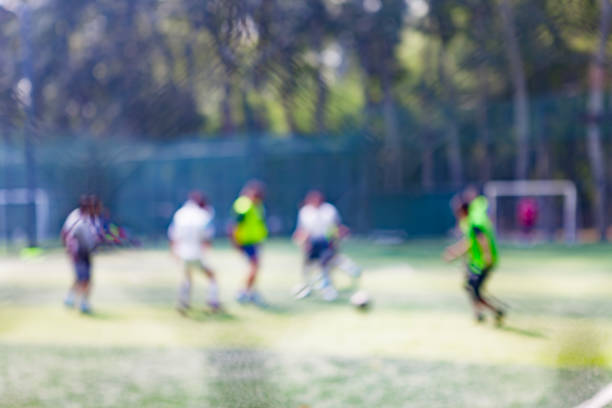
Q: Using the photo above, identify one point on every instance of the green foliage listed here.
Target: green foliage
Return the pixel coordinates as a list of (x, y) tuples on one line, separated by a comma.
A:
[(164, 69)]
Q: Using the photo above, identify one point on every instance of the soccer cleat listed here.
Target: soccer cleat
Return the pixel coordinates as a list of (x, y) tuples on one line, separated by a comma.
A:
[(215, 305), (321, 282), (86, 309), (329, 293), (257, 299), (242, 297), (182, 308), (499, 317)]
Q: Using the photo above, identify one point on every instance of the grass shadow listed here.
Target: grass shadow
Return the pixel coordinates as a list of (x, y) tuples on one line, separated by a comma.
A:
[(96, 315), (207, 315), (524, 332), (277, 308), (308, 305)]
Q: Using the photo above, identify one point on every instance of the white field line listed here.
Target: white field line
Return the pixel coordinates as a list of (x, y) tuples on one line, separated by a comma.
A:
[(600, 400)]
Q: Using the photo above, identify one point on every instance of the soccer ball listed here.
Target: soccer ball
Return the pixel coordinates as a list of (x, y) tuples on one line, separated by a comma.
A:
[(361, 300)]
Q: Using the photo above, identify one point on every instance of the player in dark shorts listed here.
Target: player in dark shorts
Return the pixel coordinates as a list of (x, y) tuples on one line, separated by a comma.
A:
[(318, 231), (247, 234), (81, 237), (479, 246)]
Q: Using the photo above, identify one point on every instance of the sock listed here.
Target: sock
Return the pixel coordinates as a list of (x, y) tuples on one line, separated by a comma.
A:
[(213, 292), (185, 294), (70, 296), (84, 303), (307, 274), (325, 279)]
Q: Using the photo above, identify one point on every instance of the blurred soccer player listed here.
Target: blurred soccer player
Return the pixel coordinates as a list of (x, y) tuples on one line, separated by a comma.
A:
[(74, 216), (65, 235), (247, 234), (527, 214), (318, 231), (190, 232), (80, 237), (479, 245)]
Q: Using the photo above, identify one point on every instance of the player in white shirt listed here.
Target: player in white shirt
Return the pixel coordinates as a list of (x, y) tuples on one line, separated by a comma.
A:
[(80, 238), (190, 232), (73, 217), (318, 231)]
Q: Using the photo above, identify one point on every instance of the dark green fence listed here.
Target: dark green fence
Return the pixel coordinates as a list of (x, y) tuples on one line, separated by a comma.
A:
[(142, 184)]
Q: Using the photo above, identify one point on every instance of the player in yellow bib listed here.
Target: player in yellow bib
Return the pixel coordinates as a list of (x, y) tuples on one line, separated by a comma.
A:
[(248, 233)]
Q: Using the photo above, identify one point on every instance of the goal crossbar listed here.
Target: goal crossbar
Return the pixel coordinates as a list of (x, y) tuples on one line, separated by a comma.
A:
[(564, 188)]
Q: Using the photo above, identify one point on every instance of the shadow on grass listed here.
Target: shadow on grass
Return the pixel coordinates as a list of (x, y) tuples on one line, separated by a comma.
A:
[(524, 332), (307, 305), (94, 315), (277, 308), (207, 315)]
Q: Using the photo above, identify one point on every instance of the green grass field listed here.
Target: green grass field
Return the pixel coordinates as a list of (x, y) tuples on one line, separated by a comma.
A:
[(417, 346)]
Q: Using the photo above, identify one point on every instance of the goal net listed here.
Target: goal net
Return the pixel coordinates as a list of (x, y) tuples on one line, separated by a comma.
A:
[(526, 207), (13, 214)]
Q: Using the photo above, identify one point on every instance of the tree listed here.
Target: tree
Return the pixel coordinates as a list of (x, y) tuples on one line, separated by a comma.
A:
[(478, 30), (517, 74), (444, 29), (319, 24), (595, 110), (376, 34)]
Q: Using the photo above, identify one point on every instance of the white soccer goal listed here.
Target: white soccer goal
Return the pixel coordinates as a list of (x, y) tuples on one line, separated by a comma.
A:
[(537, 188), (20, 196)]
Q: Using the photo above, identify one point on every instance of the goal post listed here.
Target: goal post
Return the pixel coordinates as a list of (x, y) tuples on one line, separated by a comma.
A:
[(537, 188), (21, 196)]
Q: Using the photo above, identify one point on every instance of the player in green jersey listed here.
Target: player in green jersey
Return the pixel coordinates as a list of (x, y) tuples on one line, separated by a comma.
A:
[(479, 247)]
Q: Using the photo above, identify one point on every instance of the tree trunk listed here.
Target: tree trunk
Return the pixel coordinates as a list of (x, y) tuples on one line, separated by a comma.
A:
[(287, 102), (521, 103), (483, 128), (227, 125), (482, 120), (225, 54), (322, 91), (453, 147), (190, 63), (595, 110), (247, 111), (427, 170), (453, 152), (543, 167), (30, 113), (371, 108), (393, 176), (8, 180)]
